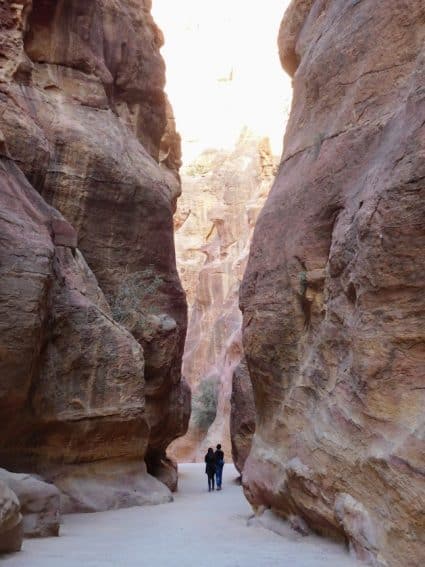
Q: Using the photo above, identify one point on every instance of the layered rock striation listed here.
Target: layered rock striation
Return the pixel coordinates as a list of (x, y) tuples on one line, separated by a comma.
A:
[(333, 295), (92, 313)]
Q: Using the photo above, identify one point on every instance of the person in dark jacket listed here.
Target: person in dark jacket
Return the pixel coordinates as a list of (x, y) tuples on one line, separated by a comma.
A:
[(210, 468), (219, 464)]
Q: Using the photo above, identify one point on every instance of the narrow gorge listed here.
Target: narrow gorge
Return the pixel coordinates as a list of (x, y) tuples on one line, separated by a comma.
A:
[(230, 159), (171, 278)]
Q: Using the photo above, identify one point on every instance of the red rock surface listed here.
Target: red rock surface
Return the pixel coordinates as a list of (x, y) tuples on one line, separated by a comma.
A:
[(333, 296), (223, 193), (90, 356), (242, 415)]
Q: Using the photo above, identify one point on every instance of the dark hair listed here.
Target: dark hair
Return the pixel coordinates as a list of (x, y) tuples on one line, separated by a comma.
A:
[(219, 446), (210, 450)]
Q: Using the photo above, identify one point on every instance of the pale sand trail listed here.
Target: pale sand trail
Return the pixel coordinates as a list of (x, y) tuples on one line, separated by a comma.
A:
[(199, 529)]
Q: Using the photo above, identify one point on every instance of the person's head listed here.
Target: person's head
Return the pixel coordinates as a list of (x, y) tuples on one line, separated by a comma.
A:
[(210, 450), (219, 446)]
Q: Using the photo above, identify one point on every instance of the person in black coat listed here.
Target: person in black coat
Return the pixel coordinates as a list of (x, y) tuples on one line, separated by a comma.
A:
[(210, 468), (219, 464)]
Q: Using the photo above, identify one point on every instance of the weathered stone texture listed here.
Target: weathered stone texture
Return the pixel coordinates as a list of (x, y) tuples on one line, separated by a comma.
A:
[(90, 357), (10, 520), (333, 296), (39, 502), (223, 193), (242, 415)]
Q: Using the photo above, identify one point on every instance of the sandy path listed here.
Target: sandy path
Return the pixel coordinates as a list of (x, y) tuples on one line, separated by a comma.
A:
[(199, 529)]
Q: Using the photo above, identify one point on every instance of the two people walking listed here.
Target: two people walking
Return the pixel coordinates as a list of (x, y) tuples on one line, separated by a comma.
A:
[(214, 463)]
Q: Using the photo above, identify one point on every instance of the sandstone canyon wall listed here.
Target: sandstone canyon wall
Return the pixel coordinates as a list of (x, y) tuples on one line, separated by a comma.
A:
[(92, 313), (223, 194), (228, 103), (242, 415), (333, 296)]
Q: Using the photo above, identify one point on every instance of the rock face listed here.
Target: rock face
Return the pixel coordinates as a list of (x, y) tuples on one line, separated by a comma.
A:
[(89, 356), (224, 183), (223, 193), (242, 415), (107, 485), (333, 296), (39, 502), (10, 520)]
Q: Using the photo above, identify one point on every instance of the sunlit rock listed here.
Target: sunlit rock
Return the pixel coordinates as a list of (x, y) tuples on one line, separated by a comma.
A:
[(223, 193), (333, 296)]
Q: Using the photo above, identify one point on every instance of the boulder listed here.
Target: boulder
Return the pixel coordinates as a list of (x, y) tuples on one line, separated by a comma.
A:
[(108, 485), (39, 503), (10, 521)]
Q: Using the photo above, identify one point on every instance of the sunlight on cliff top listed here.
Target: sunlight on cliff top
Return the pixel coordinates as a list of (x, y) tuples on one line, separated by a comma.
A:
[(223, 70)]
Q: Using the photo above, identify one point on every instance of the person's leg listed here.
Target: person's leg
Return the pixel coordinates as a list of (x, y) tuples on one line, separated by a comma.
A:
[(212, 481), (219, 477), (209, 483)]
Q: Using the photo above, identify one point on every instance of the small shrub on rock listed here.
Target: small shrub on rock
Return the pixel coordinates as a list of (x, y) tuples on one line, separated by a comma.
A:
[(204, 406), (133, 293)]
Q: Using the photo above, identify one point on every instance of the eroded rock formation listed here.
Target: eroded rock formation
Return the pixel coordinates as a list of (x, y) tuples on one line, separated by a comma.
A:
[(223, 193), (242, 415), (89, 356), (10, 520), (39, 503), (333, 296)]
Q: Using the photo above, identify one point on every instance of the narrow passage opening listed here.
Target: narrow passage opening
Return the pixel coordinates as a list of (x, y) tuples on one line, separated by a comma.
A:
[(231, 101)]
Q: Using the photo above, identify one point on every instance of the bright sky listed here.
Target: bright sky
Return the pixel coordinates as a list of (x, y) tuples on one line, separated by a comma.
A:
[(223, 70)]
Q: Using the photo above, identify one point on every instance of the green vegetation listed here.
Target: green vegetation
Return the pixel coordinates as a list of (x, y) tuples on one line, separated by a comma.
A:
[(303, 282), (318, 141), (204, 405), (134, 292)]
